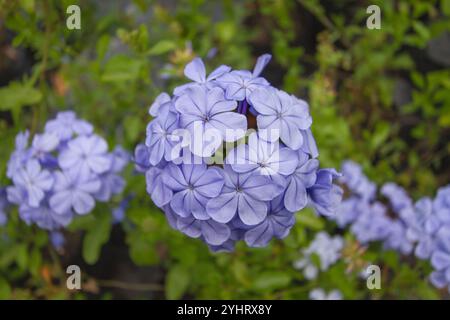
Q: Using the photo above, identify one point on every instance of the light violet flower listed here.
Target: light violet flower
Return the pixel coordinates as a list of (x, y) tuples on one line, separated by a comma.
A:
[(303, 177), (263, 157), (207, 116), (239, 84), (279, 111), (244, 195), (161, 139), (277, 224), (196, 71), (74, 192), (66, 124), (324, 195), (192, 185), (34, 181), (85, 155)]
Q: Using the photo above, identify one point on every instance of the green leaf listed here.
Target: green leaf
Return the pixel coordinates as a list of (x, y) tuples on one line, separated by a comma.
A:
[(142, 252), (445, 7), (271, 280), (310, 219), (417, 79), (133, 126), (177, 282), (240, 271), (35, 261), (161, 47), (382, 130), (102, 46), (95, 238), (121, 68), (5, 289), (17, 95), (22, 256)]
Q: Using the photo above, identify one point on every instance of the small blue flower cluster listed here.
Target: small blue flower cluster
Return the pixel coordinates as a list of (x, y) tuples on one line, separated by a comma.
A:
[(253, 193), (327, 249), (64, 172), (422, 227)]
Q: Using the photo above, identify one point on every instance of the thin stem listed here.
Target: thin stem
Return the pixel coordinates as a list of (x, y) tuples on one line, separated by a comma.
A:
[(45, 50)]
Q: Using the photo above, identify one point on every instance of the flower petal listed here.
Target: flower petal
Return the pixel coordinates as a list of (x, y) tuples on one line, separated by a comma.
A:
[(215, 233), (83, 202), (195, 70), (251, 211), (223, 208), (295, 197)]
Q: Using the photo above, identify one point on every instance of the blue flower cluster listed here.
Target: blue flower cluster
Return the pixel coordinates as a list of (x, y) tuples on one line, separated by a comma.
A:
[(229, 157), (422, 227), (64, 171)]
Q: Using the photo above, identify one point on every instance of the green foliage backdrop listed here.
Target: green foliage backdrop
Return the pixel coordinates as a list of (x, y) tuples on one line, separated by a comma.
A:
[(378, 97)]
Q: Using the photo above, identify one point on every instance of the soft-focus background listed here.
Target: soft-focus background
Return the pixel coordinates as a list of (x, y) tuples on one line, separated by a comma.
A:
[(379, 97)]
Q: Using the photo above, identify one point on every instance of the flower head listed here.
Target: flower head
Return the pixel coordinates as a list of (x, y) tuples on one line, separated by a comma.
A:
[(64, 171), (217, 181)]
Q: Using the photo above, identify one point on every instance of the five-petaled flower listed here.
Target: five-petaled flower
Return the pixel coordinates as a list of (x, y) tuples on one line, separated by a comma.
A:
[(244, 195), (279, 111), (208, 115), (34, 181)]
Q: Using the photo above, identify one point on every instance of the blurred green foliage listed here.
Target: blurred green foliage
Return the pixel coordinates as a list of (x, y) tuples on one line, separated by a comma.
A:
[(126, 53)]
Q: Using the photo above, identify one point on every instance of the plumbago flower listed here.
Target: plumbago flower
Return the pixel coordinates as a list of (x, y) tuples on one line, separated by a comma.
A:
[(280, 112), (63, 173), (327, 249), (196, 71), (230, 158), (208, 115), (422, 228)]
